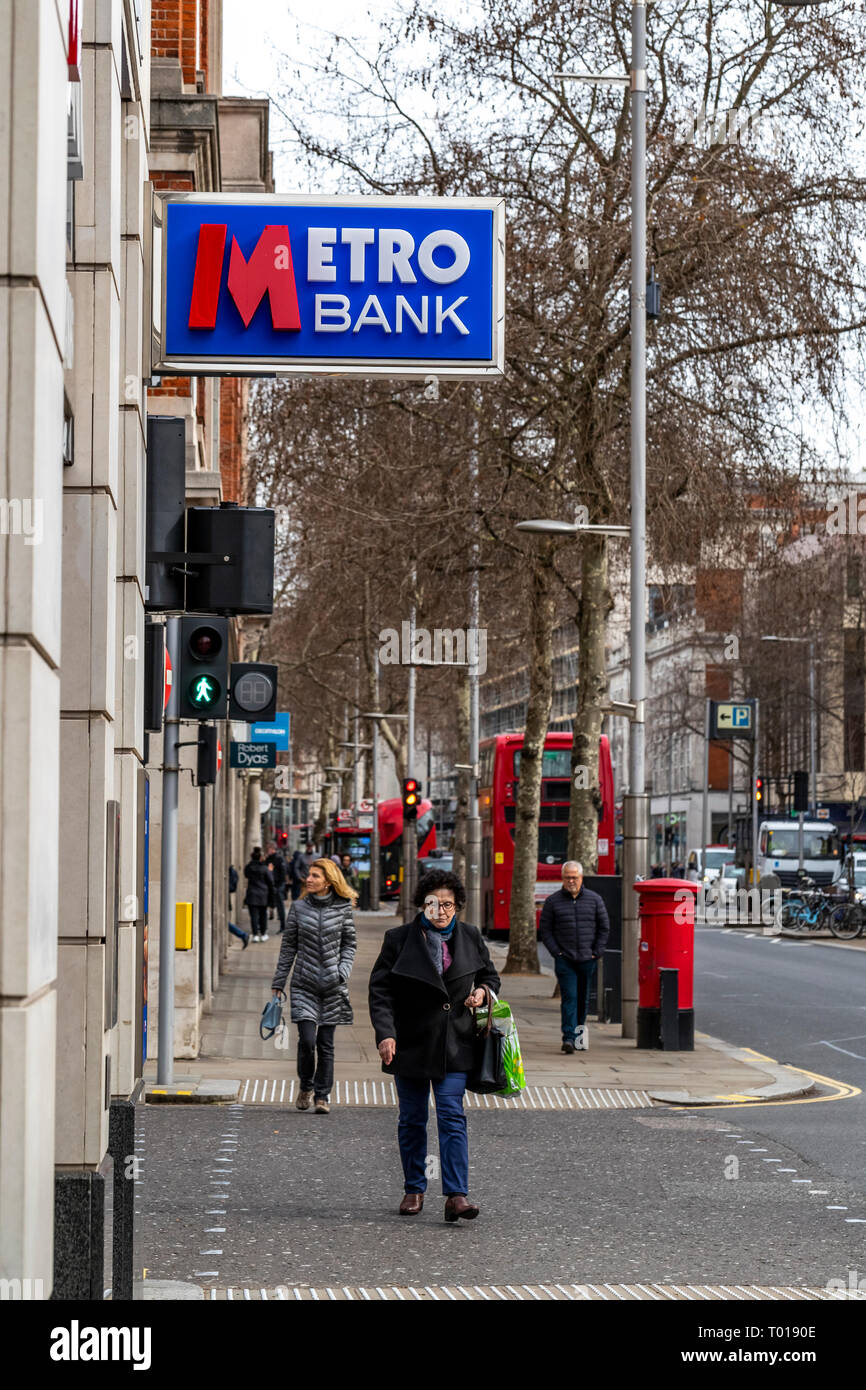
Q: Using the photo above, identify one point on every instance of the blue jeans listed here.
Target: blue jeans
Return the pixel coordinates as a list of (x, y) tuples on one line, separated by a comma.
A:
[(575, 978), (451, 1122), (236, 931)]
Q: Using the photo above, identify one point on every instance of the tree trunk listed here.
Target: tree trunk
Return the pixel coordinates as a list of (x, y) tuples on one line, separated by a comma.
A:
[(595, 604), (321, 824), (462, 811), (522, 943)]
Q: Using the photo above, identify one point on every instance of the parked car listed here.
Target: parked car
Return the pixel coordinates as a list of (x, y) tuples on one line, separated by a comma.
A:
[(705, 866), (733, 877), (436, 859)]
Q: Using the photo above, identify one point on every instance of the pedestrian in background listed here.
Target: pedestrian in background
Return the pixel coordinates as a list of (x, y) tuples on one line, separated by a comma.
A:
[(244, 936), (301, 861), (350, 873), (279, 874), (319, 942), (258, 895), (425, 981), (574, 927)]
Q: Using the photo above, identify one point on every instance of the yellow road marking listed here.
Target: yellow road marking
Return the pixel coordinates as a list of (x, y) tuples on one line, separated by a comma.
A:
[(843, 1091)]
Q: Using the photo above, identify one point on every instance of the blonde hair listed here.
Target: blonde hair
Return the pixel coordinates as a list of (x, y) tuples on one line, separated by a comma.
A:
[(334, 879)]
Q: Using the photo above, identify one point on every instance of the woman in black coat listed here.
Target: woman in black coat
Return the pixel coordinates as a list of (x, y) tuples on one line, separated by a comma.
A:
[(259, 894), (422, 987)]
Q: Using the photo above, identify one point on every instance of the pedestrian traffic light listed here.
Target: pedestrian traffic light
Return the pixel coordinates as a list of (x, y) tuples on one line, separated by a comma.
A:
[(208, 756), (252, 691), (203, 667), (759, 788), (801, 791), (410, 798)]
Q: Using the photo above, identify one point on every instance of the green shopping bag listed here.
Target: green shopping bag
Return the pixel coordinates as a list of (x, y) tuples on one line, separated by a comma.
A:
[(511, 1052)]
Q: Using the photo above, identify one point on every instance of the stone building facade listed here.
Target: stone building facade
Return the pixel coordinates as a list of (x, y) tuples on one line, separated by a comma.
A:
[(98, 99)]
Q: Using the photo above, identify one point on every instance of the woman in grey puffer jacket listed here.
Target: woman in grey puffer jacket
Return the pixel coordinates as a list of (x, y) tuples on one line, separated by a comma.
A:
[(319, 940)]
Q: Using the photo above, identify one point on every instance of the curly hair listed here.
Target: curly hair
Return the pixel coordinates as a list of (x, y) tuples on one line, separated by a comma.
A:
[(438, 878)]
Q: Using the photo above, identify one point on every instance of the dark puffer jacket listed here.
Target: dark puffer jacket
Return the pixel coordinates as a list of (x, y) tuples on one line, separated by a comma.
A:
[(260, 888), (319, 940), (576, 928)]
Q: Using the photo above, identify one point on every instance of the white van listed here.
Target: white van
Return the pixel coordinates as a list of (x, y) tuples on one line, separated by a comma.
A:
[(705, 866), (779, 851)]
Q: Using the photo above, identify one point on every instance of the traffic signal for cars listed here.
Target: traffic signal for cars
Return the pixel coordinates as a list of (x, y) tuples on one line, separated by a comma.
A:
[(759, 788), (203, 667), (801, 791), (207, 761), (410, 798)]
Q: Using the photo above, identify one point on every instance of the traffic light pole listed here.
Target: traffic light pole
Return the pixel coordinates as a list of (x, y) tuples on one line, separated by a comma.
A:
[(756, 806), (168, 864), (375, 855), (410, 839)]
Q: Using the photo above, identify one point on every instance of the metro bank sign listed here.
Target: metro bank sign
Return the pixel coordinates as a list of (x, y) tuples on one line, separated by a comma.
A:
[(371, 286)]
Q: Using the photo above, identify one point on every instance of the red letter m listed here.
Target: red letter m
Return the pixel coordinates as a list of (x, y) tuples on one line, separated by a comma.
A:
[(269, 268)]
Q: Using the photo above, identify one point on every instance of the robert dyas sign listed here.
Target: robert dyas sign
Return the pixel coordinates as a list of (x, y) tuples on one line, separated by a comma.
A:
[(261, 284)]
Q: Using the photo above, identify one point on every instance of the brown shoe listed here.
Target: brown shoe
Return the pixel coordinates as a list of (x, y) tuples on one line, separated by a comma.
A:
[(412, 1204), (459, 1206), (322, 1107), (303, 1101)]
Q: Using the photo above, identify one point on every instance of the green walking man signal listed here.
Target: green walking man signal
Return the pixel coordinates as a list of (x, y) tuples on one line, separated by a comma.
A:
[(204, 667), (205, 692)]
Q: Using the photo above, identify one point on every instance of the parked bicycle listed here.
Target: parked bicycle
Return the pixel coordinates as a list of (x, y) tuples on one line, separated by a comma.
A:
[(806, 908), (809, 909)]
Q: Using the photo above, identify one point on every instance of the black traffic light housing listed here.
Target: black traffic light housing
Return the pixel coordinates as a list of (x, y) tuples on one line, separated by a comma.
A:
[(208, 755), (759, 788), (244, 584), (203, 667), (801, 791), (154, 674), (252, 691), (411, 797)]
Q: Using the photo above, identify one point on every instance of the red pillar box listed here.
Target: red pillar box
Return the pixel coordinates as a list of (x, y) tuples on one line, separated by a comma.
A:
[(667, 941)]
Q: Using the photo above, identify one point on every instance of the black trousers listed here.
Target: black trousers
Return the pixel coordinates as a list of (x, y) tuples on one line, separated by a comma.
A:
[(281, 908), (258, 918), (316, 1075)]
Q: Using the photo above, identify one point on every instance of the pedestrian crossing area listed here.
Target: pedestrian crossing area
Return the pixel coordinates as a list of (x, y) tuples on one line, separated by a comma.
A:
[(526, 1293), (267, 1091)]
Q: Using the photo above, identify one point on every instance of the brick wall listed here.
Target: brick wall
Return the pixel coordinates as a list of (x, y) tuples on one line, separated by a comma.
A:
[(233, 391), (179, 29)]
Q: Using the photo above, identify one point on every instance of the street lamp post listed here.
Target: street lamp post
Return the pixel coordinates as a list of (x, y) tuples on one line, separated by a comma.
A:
[(813, 751), (375, 858), (635, 818), (549, 527)]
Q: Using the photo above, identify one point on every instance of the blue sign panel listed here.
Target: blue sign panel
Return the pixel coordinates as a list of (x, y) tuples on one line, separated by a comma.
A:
[(393, 285), (276, 732)]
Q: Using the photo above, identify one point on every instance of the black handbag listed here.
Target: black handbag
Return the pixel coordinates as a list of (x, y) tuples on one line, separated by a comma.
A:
[(487, 1073)]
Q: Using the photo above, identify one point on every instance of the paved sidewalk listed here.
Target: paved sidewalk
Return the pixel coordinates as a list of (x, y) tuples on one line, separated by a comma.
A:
[(232, 1050)]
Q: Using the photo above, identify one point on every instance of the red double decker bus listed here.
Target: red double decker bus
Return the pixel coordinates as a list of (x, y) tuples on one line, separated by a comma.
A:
[(346, 836), (500, 774)]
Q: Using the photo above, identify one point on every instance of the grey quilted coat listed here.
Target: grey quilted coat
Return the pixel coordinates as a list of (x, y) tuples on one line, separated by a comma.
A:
[(319, 940)]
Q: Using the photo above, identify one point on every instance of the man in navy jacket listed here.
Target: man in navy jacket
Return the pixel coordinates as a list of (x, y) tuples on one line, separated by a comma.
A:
[(574, 928)]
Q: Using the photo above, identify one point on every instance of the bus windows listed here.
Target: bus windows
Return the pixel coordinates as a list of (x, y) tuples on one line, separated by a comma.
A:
[(552, 844)]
